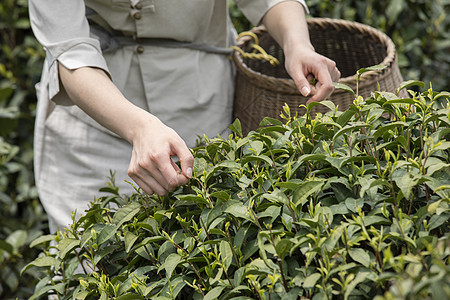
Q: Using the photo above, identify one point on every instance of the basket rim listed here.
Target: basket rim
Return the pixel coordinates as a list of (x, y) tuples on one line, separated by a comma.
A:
[(287, 85)]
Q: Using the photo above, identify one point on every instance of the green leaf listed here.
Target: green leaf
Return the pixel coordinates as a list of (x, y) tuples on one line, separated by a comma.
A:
[(104, 252), (5, 93), (437, 220), (350, 127), (283, 247), (406, 181), (170, 263), (261, 158), (383, 129), (344, 87), (360, 277), (371, 68), (311, 280), (277, 196), (410, 83), (17, 239), (305, 190), (359, 255), (57, 287), (126, 213), (42, 261), (238, 210), (107, 232), (42, 239), (226, 254), (67, 245), (130, 238), (214, 293), (353, 204), (236, 127), (6, 246), (326, 103), (256, 146), (192, 198), (345, 117)]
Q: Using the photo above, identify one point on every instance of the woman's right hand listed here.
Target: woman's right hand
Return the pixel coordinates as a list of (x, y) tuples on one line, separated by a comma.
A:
[(151, 165), (154, 144)]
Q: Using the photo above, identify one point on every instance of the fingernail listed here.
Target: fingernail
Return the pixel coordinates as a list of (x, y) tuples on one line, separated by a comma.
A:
[(189, 172), (305, 91)]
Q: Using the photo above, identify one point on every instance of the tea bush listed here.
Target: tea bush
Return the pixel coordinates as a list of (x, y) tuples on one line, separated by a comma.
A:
[(345, 205)]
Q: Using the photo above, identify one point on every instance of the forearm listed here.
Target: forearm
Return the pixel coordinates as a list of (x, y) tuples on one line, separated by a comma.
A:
[(93, 91), (286, 23)]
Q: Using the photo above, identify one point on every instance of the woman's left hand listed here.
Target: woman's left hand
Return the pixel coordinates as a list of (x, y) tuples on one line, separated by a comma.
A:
[(313, 73)]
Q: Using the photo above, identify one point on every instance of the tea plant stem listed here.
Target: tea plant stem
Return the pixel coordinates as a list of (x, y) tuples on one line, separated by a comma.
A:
[(275, 165), (108, 216), (152, 259), (279, 261), (79, 260), (232, 248), (411, 203), (294, 218), (206, 230), (206, 193), (256, 219), (200, 289), (187, 253), (228, 278), (188, 231)]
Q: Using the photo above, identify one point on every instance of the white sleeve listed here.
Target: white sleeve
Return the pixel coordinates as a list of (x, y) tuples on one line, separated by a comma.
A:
[(255, 10), (62, 29)]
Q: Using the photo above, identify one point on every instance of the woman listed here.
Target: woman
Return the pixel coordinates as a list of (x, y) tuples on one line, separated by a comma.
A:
[(160, 81)]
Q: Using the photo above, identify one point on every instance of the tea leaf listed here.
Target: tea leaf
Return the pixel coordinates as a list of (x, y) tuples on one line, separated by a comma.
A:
[(305, 190), (353, 204), (344, 87), (359, 255), (226, 254), (236, 127), (382, 130), (282, 247), (170, 263), (43, 261), (239, 210), (42, 239), (214, 293), (130, 239), (311, 280), (66, 246), (371, 68), (360, 277), (409, 83), (126, 213)]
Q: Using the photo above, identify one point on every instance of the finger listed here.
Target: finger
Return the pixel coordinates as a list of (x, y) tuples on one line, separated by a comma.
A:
[(148, 173), (186, 158), (147, 183), (333, 70), (325, 86)]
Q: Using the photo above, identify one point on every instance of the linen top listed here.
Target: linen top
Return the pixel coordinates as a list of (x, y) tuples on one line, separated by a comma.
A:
[(190, 91), (61, 26)]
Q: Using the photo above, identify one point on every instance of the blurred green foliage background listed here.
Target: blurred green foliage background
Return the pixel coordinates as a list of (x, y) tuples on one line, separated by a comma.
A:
[(419, 29)]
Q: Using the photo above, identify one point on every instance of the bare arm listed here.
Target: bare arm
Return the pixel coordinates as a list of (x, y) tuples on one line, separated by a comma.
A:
[(153, 142), (286, 22)]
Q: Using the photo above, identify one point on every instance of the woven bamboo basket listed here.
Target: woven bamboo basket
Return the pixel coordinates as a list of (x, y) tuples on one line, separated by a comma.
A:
[(263, 89)]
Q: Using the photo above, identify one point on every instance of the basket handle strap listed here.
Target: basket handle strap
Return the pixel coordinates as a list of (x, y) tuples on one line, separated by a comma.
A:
[(258, 51)]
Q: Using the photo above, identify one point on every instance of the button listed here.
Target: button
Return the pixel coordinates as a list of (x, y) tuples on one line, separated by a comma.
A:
[(137, 16), (138, 5), (140, 49)]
